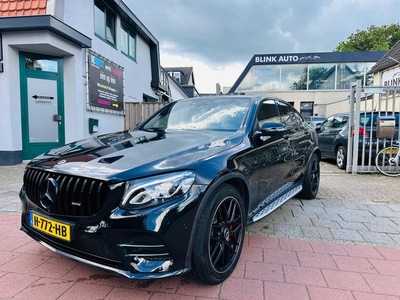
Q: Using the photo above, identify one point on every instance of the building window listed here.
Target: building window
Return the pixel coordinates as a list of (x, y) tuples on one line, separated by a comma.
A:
[(307, 108), (294, 77), (321, 76), (104, 22), (128, 41), (149, 99), (177, 76), (46, 65)]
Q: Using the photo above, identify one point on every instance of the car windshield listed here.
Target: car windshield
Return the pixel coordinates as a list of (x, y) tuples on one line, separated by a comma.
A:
[(223, 113)]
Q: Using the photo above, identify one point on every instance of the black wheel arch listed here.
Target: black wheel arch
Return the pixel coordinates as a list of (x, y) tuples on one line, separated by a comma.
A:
[(317, 151), (240, 183), (340, 145)]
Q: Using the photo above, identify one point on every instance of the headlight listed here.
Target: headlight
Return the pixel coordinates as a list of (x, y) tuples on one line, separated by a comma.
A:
[(156, 189)]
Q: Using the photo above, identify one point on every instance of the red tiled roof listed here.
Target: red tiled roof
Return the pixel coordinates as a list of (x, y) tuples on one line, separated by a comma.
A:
[(22, 7)]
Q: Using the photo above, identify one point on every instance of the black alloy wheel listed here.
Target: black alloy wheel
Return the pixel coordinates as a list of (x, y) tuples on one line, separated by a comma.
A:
[(311, 179), (219, 236)]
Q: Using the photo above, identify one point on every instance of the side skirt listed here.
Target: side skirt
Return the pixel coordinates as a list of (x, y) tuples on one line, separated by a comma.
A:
[(276, 204)]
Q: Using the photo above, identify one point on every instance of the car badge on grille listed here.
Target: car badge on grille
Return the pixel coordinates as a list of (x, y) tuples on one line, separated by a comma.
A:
[(48, 193), (61, 162)]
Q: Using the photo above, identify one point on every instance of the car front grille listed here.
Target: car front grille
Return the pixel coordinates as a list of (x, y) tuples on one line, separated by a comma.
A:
[(76, 196)]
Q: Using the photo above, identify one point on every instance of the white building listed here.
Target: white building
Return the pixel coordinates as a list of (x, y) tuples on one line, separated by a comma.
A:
[(66, 70)]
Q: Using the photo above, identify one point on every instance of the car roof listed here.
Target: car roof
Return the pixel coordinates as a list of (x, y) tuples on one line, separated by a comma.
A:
[(251, 97), (315, 117)]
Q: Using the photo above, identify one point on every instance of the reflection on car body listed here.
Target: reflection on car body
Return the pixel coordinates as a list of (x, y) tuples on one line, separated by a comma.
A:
[(175, 194)]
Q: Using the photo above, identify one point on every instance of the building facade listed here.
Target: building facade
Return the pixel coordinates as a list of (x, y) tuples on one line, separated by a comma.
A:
[(386, 71), (315, 83), (66, 69)]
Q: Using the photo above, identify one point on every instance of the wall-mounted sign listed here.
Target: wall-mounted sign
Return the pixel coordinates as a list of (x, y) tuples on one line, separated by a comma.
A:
[(286, 58), (317, 58), (391, 78), (105, 83)]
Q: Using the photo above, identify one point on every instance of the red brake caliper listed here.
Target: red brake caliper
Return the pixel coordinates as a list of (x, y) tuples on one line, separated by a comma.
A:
[(230, 229)]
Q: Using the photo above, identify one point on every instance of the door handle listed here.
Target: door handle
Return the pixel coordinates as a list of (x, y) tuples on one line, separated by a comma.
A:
[(57, 118)]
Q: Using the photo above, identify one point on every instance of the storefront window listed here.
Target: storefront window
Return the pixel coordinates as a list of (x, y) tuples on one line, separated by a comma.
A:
[(369, 78), (329, 76), (349, 73), (321, 77), (294, 77), (261, 79)]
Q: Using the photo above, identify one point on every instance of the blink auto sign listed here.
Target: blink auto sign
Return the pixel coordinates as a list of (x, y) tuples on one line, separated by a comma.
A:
[(105, 83), (391, 78), (286, 58)]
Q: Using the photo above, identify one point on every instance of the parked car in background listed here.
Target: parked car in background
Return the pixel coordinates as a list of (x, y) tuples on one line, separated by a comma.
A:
[(176, 193), (314, 121), (333, 136)]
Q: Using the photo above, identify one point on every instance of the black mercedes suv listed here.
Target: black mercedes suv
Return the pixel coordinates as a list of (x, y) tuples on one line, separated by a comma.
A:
[(175, 194)]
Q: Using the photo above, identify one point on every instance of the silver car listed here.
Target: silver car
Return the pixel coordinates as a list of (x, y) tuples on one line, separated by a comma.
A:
[(314, 121)]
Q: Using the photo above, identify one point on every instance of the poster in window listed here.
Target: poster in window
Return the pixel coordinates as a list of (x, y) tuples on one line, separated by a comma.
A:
[(105, 83)]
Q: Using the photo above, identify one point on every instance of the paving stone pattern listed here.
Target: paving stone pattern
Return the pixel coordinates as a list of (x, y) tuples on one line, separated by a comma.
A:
[(343, 245), (356, 209)]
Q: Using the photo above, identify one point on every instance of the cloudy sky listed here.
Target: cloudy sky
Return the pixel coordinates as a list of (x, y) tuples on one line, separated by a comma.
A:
[(219, 37)]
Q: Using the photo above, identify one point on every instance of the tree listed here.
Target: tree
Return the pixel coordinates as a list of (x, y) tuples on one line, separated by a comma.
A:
[(374, 38)]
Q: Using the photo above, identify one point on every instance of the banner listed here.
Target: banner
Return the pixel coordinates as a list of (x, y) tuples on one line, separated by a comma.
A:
[(105, 83)]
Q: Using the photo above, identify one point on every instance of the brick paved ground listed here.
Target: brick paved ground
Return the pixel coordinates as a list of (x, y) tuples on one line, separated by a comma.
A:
[(343, 245), (357, 209)]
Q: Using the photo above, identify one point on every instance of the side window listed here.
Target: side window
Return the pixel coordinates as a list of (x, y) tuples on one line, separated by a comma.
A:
[(327, 124), (267, 111), (104, 22), (296, 119), (336, 123), (288, 115), (339, 122)]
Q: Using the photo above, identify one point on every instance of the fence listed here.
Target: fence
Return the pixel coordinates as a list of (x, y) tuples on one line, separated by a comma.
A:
[(379, 101), (136, 112)]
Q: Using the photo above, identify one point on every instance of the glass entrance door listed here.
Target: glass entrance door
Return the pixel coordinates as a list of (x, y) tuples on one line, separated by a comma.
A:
[(41, 104), (43, 118)]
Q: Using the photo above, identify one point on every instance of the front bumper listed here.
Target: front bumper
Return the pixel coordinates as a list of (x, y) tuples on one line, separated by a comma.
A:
[(145, 244)]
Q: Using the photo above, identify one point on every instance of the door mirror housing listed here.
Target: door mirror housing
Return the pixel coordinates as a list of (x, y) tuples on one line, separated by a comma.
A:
[(270, 128)]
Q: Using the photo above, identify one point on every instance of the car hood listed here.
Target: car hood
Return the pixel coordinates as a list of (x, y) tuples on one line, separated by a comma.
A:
[(125, 155)]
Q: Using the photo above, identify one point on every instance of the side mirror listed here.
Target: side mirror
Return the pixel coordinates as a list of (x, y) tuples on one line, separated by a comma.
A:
[(269, 128)]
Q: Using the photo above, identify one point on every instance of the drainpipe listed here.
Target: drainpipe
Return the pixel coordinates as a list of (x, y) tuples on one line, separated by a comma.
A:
[(1, 54)]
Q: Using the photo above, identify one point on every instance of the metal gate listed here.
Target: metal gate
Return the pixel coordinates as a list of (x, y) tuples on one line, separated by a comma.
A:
[(376, 103)]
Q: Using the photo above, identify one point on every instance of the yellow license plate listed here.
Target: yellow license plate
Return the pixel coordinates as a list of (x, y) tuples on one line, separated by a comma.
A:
[(51, 227), (392, 151)]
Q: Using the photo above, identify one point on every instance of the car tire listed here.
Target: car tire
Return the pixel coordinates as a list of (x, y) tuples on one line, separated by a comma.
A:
[(219, 236), (341, 158), (311, 179)]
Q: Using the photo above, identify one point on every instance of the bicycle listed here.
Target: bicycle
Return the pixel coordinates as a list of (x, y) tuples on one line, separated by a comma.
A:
[(387, 160)]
